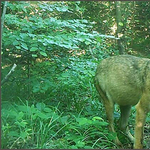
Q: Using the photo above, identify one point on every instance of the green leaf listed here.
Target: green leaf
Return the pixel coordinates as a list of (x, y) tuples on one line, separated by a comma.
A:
[(97, 118), (18, 47), (48, 110), (43, 54), (15, 42), (33, 49), (22, 123), (87, 43), (24, 45), (80, 144), (13, 133), (103, 123), (83, 121), (42, 115), (120, 24), (23, 135), (64, 119), (40, 106), (23, 108), (20, 116), (34, 55), (62, 9), (65, 74), (23, 36), (73, 147)]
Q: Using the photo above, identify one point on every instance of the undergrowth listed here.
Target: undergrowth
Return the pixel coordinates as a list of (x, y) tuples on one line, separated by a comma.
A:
[(46, 127)]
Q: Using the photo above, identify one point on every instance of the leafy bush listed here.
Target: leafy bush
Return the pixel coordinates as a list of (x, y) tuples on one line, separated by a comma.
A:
[(35, 36)]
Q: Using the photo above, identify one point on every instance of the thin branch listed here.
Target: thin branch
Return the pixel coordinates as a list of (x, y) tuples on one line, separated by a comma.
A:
[(8, 75)]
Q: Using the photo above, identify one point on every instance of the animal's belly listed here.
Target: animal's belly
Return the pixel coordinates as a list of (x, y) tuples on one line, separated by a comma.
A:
[(124, 96)]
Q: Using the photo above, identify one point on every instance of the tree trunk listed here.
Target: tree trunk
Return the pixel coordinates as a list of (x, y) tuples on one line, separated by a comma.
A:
[(2, 20), (119, 27)]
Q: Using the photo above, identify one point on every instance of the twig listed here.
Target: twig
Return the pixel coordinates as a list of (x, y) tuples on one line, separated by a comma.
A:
[(8, 75)]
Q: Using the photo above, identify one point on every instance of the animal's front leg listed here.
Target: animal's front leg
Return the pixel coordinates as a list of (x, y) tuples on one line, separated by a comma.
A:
[(139, 125)]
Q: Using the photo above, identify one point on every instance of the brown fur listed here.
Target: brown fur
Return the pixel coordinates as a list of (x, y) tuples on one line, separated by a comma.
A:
[(125, 80)]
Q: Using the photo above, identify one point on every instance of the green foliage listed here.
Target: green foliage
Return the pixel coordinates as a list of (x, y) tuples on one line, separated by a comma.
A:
[(39, 125), (50, 101), (26, 124), (35, 35)]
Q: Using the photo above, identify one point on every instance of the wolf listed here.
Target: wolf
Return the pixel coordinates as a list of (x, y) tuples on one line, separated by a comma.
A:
[(125, 80)]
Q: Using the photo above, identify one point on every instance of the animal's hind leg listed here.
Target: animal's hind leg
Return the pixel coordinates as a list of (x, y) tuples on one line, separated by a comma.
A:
[(109, 108), (142, 109), (123, 122)]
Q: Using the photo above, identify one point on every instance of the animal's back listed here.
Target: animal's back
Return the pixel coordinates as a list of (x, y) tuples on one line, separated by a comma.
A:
[(123, 78)]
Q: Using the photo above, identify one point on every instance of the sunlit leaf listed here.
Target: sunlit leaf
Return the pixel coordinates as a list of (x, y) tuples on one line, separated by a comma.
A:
[(33, 49), (24, 45), (43, 53)]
